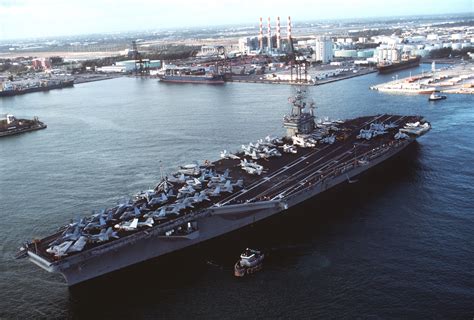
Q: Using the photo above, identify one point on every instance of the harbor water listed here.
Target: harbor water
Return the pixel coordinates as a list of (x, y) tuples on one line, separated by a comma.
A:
[(398, 243)]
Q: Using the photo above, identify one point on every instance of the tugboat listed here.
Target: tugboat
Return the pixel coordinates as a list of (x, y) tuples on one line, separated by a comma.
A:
[(250, 261), (436, 97)]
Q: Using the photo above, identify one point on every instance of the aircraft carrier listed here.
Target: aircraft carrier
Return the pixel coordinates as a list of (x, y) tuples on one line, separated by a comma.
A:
[(204, 201)]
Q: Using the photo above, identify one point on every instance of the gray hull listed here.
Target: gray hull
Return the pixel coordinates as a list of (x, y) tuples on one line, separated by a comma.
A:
[(211, 222)]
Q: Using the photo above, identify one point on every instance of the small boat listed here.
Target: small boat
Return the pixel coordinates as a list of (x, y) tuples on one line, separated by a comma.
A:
[(250, 261), (435, 97)]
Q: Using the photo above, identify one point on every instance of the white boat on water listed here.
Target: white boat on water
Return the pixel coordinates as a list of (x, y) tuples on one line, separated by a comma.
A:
[(436, 97)]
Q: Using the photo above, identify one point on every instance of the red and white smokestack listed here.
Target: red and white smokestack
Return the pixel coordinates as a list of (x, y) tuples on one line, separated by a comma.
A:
[(269, 39), (260, 34), (278, 32), (289, 28)]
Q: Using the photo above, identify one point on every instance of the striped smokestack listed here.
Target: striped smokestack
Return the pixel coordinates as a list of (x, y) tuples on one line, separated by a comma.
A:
[(289, 28), (260, 35), (269, 39), (278, 32)]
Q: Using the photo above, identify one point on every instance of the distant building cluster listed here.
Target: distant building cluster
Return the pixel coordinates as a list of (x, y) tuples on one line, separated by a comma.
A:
[(331, 44), (363, 49), (421, 41)]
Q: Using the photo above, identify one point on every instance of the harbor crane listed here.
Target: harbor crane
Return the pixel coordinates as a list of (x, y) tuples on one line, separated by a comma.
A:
[(298, 64), (141, 65)]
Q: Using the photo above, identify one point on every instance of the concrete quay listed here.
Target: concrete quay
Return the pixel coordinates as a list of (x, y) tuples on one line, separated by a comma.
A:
[(260, 79), (456, 79)]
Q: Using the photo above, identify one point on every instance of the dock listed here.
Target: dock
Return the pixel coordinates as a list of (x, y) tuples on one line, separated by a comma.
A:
[(457, 79), (260, 79)]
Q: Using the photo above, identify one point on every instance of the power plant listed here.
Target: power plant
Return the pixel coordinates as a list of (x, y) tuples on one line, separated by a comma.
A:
[(273, 42)]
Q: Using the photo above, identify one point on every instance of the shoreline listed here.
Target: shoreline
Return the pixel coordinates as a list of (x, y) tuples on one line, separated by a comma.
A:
[(78, 79), (358, 74)]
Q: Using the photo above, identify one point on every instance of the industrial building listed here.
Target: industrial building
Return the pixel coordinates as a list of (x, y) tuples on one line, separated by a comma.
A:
[(323, 50), (345, 53), (209, 51), (248, 45)]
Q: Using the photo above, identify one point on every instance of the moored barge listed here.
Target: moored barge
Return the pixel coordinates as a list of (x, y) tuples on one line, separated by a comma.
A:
[(9, 125)]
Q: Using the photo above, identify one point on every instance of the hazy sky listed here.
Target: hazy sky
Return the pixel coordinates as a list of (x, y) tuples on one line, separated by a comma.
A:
[(43, 18)]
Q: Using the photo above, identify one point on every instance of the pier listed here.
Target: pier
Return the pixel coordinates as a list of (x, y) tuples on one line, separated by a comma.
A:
[(260, 79), (458, 79)]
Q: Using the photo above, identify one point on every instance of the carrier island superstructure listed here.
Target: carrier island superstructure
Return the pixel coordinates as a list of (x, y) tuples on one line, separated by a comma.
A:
[(201, 202)]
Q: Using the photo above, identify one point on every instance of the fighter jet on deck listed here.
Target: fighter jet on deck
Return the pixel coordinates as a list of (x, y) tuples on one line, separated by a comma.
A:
[(127, 225), (227, 155)]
